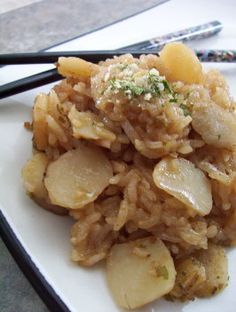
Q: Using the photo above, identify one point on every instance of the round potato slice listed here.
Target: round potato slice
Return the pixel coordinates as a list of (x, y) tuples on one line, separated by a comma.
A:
[(216, 265), (33, 175), (78, 177), (140, 271), (216, 125), (181, 179)]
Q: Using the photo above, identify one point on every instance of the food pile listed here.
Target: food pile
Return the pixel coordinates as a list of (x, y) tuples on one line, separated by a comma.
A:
[(140, 152)]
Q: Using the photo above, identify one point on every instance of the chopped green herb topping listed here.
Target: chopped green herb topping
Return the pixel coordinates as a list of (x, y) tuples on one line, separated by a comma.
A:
[(161, 271), (185, 109), (129, 87), (153, 85), (158, 84), (174, 100), (167, 86)]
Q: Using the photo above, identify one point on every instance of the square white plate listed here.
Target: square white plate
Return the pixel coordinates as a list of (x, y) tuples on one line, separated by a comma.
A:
[(39, 239)]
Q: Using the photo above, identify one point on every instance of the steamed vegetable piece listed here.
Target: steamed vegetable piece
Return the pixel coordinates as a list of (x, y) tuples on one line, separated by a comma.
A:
[(140, 271), (181, 179), (40, 127), (181, 64), (216, 266), (191, 275), (75, 66), (216, 125), (77, 177), (33, 175), (202, 275), (215, 174), (88, 126), (33, 178)]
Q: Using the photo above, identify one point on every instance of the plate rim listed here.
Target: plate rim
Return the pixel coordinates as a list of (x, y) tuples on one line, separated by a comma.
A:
[(24, 261)]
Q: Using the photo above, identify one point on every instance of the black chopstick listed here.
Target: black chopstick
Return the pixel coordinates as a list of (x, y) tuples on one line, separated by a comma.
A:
[(52, 57), (28, 83)]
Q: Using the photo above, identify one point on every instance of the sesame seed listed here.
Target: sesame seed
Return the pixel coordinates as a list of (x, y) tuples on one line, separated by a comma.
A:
[(154, 71), (147, 97)]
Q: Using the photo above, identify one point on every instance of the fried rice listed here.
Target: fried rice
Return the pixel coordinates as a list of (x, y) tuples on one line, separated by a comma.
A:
[(142, 118)]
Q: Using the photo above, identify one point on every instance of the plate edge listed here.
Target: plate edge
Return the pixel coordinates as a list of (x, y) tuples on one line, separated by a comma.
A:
[(45, 291)]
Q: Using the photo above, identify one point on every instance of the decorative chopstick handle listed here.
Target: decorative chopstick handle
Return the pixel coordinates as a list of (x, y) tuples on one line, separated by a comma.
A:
[(192, 33), (220, 56)]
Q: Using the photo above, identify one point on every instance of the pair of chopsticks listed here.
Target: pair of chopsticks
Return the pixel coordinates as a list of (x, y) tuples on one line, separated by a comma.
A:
[(149, 46)]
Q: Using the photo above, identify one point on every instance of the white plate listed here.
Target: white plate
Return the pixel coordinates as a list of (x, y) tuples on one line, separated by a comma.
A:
[(42, 239)]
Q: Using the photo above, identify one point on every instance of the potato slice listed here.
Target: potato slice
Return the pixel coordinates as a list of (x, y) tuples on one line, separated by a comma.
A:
[(88, 126), (214, 173), (140, 271), (181, 179), (33, 175), (181, 63), (77, 177), (216, 125), (216, 266), (40, 127), (202, 275), (191, 275), (75, 66)]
